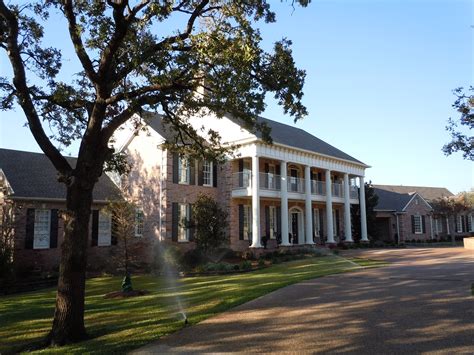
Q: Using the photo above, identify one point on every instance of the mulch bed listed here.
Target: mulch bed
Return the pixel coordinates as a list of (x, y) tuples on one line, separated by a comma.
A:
[(121, 294)]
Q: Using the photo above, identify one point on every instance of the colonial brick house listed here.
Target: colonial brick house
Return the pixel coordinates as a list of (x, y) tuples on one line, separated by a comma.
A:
[(29, 181), (296, 191), (404, 213)]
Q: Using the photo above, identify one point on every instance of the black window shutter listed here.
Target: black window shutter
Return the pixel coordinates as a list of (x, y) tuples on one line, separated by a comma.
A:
[(175, 168), (174, 221), (192, 171), (214, 174), (413, 224), (278, 212), (30, 228), (113, 230), (464, 224), (278, 169), (311, 175), (241, 175), (200, 173), (241, 222), (423, 229), (53, 231), (192, 229), (267, 221), (337, 223), (312, 221), (320, 177), (95, 227)]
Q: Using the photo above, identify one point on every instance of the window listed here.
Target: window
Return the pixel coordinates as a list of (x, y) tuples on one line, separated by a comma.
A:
[(207, 173), (417, 224), (42, 229), (459, 225), (247, 173), (183, 217), (273, 221), (294, 180), (316, 226), (439, 225), (247, 222), (183, 170), (104, 235), (138, 222)]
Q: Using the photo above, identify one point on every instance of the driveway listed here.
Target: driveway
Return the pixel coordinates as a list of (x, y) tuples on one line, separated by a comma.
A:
[(421, 303)]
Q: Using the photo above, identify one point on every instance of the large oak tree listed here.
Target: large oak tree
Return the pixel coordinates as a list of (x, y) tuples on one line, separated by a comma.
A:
[(134, 56)]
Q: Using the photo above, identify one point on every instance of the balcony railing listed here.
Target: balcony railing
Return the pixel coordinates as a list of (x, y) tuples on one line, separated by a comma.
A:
[(241, 180), (318, 188), (295, 184), (337, 190), (269, 181)]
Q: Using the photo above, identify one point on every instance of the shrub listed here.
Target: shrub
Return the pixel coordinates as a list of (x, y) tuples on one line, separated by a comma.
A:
[(167, 258), (261, 262), (245, 265), (236, 267), (192, 258), (248, 255)]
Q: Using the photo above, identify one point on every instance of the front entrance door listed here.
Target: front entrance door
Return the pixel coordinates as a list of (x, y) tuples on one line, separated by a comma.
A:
[(294, 227)]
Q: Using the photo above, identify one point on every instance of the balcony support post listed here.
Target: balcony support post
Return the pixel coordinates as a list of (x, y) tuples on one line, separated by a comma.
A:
[(329, 224), (284, 205), (363, 216), (308, 211), (347, 211), (255, 204)]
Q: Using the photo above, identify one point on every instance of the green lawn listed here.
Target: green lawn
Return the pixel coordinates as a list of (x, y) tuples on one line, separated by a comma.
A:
[(121, 325)]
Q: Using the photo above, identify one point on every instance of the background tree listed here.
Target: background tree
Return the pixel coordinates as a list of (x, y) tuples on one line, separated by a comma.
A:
[(210, 224), (8, 211), (371, 200), (124, 223), (134, 56), (462, 142), (453, 206)]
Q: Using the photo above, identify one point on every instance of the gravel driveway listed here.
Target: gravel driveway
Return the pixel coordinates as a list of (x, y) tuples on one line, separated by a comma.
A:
[(421, 303)]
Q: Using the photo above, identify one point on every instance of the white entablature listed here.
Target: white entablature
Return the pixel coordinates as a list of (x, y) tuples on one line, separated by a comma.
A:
[(289, 154)]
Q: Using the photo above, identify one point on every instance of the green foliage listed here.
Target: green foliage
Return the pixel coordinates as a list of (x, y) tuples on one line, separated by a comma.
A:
[(460, 139), (127, 284), (245, 265), (210, 223), (7, 236)]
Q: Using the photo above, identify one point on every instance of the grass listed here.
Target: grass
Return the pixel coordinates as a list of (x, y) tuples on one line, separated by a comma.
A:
[(123, 325)]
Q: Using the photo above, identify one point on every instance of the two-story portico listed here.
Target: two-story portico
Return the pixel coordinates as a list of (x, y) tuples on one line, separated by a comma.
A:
[(300, 193)]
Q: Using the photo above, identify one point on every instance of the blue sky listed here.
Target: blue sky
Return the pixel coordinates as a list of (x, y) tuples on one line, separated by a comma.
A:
[(379, 83)]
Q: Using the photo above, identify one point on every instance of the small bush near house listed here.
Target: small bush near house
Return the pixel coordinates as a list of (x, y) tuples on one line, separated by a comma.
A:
[(167, 258), (245, 265), (261, 262)]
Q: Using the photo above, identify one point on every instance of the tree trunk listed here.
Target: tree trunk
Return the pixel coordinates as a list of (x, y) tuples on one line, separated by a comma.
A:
[(68, 323)]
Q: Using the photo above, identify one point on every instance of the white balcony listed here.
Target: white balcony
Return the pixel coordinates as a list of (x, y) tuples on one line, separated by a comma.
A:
[(318, 188), (269, 181), (295, 184)]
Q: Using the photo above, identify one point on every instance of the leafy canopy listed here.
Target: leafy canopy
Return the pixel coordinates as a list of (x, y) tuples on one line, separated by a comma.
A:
[(460, 141), (140, 56)]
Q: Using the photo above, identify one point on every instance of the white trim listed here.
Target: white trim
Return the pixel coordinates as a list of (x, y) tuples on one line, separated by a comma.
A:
[(417, 216), (211, 173), (104, 237)]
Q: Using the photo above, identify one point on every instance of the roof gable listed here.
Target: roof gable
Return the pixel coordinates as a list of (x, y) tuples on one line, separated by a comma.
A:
[(427, 192)]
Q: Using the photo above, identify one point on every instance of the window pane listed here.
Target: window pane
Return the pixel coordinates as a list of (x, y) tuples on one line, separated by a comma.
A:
[(207, 173), (183, 171), (417, 221), (104, 237), (183, 217), (41, 230), (138, 222)]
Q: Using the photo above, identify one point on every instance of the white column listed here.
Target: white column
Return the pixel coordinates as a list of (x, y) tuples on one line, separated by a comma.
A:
[(308, 214), (363, 217), (255, 204), (347, 211), (284, 205), (329, 225)]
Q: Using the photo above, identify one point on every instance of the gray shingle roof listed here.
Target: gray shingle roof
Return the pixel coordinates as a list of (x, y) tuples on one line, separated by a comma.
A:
[(391, 201), (428, 193), (32, 175), (299, 138)]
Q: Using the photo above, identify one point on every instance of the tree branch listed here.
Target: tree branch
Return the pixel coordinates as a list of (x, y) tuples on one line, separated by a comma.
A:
[(77, 41), (23, 95)]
